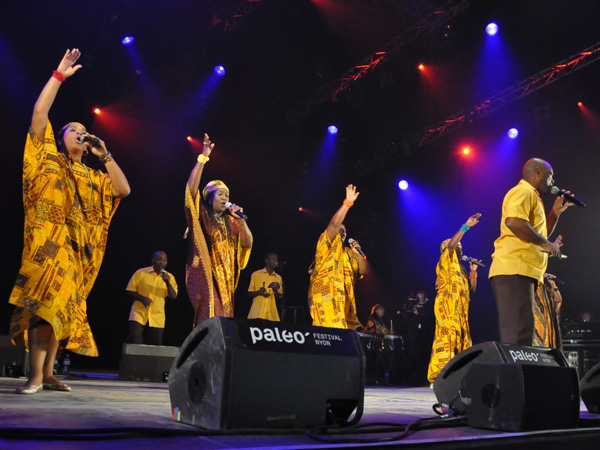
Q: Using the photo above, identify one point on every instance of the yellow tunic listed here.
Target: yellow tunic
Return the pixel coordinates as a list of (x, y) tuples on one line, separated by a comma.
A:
[(331, 290), (148, 283), (66, 227), (264, 307), (452, 333)]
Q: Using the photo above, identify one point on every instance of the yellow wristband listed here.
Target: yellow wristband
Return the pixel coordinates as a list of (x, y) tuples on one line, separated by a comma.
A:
[(348, 203), (203, 159)]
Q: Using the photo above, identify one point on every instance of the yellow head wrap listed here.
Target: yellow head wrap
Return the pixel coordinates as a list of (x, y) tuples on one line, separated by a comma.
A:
[(211, 187)]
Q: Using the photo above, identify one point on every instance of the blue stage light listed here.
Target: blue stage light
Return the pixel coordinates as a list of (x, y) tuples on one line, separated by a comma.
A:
[(491, 29), (403, 185), (128, 40), (219, 71), (513, 133), (332, 129)]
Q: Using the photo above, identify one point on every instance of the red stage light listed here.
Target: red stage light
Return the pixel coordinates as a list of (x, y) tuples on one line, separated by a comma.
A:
[(421, 67), (97, 111), (189, 138), (466, 150), (301, 209), (579, 104)]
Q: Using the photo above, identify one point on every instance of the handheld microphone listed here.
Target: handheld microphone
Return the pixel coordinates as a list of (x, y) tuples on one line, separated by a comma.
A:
[(472, 260), (556, 191), (92, 140), (558, 280), (352, 241), (558, 256), (162, 270), (239, 213)]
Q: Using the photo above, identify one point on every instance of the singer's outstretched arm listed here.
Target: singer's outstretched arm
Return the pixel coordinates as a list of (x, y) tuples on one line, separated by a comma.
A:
[(455, 240), (196, 174), (39, 119), (338, 218)]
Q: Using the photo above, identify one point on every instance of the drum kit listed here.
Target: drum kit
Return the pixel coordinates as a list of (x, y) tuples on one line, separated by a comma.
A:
[(384, 357)]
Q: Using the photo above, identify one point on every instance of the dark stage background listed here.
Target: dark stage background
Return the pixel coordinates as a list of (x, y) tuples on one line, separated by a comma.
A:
[(272, 152)]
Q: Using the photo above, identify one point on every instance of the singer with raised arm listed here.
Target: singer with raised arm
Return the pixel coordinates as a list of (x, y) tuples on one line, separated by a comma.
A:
[(522, 250), (336, 270), (149, 287), (454, 289), (68, 209), (219, 243)]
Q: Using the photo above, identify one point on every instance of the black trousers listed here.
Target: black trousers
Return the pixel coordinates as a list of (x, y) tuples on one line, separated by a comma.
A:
[(154, 335), (514, 299)]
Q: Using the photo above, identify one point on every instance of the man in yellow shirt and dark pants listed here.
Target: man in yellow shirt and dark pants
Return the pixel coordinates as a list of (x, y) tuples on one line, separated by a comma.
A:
[(149, 287), (265, 287), (522, 250)]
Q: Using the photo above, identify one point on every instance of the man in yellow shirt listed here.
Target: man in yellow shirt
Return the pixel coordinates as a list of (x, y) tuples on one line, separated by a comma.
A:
[(521, 252), (149, 287), (266, 286)]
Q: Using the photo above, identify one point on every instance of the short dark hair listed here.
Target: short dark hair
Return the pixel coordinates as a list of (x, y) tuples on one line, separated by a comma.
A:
[(269, 253)]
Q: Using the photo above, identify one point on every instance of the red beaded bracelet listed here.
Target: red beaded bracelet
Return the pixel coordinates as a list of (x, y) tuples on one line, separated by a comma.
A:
[(59, 76)]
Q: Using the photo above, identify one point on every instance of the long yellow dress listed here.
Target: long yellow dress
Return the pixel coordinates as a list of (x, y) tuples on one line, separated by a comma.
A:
[(68, 209), (331, 290), (215, 259), (452, 333)]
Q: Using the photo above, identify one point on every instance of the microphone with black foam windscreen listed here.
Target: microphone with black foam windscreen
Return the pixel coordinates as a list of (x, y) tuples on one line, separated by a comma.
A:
[(239, 213), (556, 191), (92, 140), (352, 241), (472, 260)]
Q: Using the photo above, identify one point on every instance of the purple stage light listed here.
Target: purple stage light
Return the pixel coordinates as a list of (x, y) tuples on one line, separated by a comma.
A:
[(332, 129), (513, 133), (403, 185), (128, 40), (219, 71), (491, 29)]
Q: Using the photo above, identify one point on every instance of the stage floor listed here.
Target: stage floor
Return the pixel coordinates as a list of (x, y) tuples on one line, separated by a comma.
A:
[(103, 413)]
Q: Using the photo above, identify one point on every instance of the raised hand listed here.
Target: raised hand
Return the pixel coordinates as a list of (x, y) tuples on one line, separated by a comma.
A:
[(473, 220), (207, 146), (66, 65), (351, 193)]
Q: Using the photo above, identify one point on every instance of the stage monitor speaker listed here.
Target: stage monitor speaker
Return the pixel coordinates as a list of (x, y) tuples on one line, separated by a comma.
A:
[(146, 362), (447, 384), (520, 397), (590, 389), (13, 361), (236, 373)]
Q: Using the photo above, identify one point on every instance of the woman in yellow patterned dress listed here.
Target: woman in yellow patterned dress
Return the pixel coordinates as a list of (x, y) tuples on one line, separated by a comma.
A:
[(219, 244), (68, 208), (336, 270), (454, 289)]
